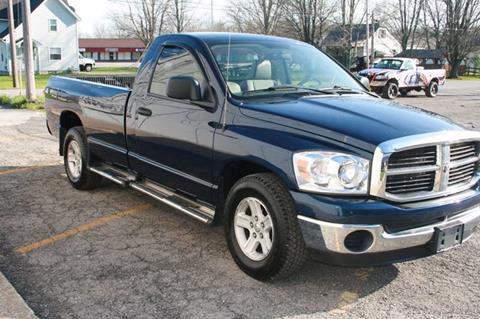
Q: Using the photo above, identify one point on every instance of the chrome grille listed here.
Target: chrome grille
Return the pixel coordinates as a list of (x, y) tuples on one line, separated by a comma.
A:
[(426, 166)]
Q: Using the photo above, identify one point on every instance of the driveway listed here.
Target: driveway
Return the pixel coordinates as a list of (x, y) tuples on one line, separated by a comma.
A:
[(114, 253)]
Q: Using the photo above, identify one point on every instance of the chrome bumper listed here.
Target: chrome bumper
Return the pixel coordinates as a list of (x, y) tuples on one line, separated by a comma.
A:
[(330, 237)]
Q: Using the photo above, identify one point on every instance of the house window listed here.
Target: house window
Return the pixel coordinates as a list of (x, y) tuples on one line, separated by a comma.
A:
[(55, 54), (52, 25)]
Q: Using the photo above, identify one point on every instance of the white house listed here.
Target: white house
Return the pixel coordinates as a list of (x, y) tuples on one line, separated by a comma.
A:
[(54, 32), (385, 43)]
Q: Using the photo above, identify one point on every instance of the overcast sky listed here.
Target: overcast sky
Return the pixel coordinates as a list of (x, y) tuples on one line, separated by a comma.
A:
[(93, 12)]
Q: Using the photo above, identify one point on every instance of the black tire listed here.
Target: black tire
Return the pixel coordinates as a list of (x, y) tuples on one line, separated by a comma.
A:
[(432, 89), (390, 91), (288, 252), (85, 179), (88, 68)]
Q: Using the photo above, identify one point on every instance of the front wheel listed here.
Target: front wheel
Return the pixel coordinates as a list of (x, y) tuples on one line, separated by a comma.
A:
[(88, 68), (432, 89), (75, 156), (262, 229), (390, 91)]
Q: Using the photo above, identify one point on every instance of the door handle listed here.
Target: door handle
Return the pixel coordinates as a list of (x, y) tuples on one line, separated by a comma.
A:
[(144, 111)]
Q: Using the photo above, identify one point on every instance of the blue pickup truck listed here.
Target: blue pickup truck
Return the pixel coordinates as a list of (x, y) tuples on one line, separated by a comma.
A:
[(279, 143)]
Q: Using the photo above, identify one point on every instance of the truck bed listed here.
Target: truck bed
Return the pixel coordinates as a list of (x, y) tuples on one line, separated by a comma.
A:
[(100, 106)]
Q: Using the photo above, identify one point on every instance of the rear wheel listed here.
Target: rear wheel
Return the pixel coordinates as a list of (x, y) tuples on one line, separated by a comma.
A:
[(75, 155), (262, 229), (432, 89), (390, 91)]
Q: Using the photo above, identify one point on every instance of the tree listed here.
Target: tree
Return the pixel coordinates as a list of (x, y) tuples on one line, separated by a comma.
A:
[(178, 15), (307, 19), (434, 22), (143, 19), (461, 30), (256, 16), (348, 8)]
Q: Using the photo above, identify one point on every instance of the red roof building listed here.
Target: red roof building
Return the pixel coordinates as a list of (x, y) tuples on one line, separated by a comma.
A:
[(112, 50)]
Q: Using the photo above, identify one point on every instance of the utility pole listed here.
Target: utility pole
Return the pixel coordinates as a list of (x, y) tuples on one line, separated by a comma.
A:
[(211, 15), (367, 34), (13, 43), (373, 39), (28, 52)]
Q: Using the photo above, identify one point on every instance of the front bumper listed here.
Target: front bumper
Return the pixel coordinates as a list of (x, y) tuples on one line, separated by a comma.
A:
[(331, 237)]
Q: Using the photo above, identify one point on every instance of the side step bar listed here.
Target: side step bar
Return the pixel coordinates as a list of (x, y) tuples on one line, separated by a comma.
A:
[(192, 208)]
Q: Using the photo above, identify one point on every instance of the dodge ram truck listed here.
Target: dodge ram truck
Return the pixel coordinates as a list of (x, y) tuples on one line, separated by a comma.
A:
[(279, 143), (393, 76)]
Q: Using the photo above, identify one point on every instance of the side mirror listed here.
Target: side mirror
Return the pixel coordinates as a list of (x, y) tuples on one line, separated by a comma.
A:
[(184, 88), (365, 82)]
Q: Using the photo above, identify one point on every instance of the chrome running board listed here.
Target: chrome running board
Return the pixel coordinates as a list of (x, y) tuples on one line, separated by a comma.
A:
[(199, 211)]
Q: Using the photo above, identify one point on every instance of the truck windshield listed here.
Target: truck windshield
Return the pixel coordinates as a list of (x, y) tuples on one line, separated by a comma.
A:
[(264, 68), (389, 64)]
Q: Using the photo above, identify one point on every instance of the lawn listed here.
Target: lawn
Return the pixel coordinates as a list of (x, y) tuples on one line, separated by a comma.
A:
[(42, 79)]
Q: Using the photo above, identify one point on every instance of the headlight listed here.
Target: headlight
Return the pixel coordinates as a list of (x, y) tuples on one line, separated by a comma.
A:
[(381, 77), (331, 172)]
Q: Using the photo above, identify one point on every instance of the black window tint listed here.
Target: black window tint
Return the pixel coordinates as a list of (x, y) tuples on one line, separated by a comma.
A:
[(174, 61)]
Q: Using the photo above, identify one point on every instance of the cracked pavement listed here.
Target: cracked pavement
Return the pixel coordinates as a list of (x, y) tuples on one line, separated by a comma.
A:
[(158, 263)]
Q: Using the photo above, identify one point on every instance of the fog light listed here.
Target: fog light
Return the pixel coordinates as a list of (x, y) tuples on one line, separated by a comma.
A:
[(359, 241)]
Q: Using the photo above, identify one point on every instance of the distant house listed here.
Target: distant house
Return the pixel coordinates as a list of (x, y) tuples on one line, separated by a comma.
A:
[(54, 32), (385, 44), (112, 50)]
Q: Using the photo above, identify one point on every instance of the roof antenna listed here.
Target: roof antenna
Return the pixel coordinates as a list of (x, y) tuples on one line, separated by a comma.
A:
[(227, 92)]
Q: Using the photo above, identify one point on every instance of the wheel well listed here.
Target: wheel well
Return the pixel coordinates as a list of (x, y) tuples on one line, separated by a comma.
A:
[(434, 80), (68, 120), (393, 80), (232, 173)]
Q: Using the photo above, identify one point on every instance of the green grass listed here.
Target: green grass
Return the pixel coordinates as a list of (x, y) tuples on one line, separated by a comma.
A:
[(20, 102), (42, 79), (468, 78)]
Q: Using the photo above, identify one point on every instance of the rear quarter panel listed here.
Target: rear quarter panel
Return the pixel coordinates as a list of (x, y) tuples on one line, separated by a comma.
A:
[(99, 107)]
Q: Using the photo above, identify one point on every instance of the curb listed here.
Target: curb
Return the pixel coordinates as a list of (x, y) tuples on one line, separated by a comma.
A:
[(12, 305)]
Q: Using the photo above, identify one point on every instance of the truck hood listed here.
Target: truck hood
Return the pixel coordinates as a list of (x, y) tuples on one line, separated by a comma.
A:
[(359, 120), (374, 71)]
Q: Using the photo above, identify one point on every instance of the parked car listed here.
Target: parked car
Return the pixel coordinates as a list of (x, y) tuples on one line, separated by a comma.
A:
[(393, 76), (281, 144), (85, 63)]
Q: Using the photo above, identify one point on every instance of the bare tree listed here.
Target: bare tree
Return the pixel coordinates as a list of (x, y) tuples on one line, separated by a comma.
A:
[(307, 18), (348, 9), (461, 29), (179, 16), (143, 19), (435, 21), (404, 20), (256, 16)]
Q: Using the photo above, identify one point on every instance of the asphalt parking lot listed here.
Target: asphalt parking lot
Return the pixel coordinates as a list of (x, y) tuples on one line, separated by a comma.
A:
[(113, 253)]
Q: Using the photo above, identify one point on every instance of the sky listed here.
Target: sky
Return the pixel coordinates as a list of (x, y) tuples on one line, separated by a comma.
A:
[(93, 12)]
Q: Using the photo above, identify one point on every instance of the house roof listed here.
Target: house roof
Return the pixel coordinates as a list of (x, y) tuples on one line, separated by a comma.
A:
[(34, 4), (111, 43), (359, 32), (423, 54)]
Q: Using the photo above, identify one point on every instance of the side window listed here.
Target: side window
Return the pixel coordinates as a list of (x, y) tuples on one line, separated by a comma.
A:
[(409, 65), (174, 61)]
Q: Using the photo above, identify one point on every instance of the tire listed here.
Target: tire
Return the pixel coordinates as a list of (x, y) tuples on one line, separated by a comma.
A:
[(277, 221), (75, 157), (88, 68), (432, 89), (390, 91)]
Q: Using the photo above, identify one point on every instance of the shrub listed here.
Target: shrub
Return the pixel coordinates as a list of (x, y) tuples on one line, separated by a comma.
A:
[(5, 100), (19, 102)]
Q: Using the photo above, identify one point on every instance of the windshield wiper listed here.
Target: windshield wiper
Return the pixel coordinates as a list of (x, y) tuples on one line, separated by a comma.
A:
[(342, 90), (290, 88)]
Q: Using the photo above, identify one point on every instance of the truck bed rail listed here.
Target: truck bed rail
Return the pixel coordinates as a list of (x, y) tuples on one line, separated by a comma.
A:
[(120, 80)]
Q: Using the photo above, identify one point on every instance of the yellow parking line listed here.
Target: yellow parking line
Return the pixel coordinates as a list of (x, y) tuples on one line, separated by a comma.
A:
[(17, 170), (82, 228), (25, 169)]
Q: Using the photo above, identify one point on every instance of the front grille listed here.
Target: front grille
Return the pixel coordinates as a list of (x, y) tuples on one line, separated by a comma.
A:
[(429, 170), (412, 158), (407, 183)]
